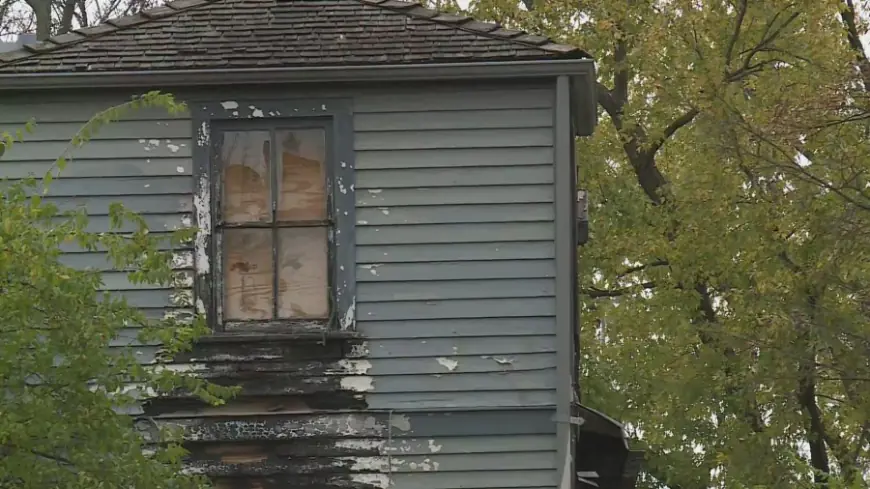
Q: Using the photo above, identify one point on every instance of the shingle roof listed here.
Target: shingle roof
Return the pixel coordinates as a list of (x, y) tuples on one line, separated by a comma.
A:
[(226, 34)]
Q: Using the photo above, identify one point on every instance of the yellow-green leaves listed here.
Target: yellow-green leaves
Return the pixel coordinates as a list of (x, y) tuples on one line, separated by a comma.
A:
[(63, 370)]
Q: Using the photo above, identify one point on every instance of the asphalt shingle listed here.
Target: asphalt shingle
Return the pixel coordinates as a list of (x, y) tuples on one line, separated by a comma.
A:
[(191, 34)]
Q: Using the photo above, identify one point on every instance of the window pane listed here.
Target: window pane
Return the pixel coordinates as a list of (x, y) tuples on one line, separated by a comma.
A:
[(302, 273), (245, 156), (302, 194), (248, 274)]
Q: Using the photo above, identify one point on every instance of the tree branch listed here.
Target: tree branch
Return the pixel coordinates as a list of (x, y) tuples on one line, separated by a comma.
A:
[(672, 128), (741, 13), (849, 16), (595, 293)]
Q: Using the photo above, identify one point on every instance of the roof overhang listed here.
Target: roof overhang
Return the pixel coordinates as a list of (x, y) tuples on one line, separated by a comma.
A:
[(306, 74)]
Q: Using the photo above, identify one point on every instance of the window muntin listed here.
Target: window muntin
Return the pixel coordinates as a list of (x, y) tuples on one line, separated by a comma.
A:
[(274, 225)]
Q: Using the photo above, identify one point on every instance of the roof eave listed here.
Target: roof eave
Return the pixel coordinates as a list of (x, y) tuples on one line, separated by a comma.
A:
[(326, 74)]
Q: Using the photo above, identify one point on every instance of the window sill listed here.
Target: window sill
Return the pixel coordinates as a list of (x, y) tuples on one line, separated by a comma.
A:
[(245, 336)]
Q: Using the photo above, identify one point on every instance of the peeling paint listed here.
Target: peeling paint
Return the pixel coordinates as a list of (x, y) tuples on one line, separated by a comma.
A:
[(181, 298), (433, 447), (341, 187), (384, 210), (400, 422), (348, 321), (154, 142), (369, 464), (173, 147), (201, 203), (358, 383), (381, 481), (362, 223), (375, 191), (230, 105), (359, 350), (179, 169), (183, 259), (357, 444), (255, 112), (354, 367), (447, 363)]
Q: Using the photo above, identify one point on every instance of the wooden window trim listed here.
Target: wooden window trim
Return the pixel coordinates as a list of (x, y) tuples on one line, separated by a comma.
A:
[(210, 119)]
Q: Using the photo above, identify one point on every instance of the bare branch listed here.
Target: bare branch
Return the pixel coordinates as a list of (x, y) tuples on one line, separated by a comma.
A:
[(738, 24), (597, 293), (672, 128)]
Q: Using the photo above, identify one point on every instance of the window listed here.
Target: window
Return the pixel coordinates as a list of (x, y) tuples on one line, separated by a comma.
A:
[(282, 239)]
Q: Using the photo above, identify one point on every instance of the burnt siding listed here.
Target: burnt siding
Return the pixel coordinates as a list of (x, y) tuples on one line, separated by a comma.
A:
[(455, 248), (451, 380)]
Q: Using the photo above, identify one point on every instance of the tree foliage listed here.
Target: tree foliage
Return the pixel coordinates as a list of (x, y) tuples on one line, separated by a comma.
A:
[(65, 374), (726, 288)]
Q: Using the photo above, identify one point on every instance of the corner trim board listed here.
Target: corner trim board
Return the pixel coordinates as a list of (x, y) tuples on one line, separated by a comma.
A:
[(566, 278), (305, 74)]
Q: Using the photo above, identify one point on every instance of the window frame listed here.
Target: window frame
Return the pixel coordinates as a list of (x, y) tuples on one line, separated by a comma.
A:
[(210, 119)]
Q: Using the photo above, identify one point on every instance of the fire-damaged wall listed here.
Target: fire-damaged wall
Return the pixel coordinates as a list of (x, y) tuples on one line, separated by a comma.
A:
[(448, 376)]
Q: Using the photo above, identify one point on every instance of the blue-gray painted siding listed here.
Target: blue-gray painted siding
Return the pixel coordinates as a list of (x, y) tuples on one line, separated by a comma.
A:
[(455, 254), (455, 228)]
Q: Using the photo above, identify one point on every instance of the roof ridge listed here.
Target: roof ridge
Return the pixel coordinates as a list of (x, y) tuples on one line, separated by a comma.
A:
[(108, 27), (412, 9), (492, 30)]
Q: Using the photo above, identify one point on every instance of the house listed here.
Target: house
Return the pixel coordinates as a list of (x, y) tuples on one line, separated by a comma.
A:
[(386, 206)]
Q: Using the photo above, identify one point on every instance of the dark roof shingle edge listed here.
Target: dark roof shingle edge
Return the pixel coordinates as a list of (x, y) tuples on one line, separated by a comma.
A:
[(411, 9)]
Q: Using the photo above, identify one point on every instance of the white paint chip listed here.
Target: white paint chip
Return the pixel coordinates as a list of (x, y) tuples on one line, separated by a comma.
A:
[(448, 363), (173, 147), (229, 105), (358, 383), (433, 447), (180, 169)]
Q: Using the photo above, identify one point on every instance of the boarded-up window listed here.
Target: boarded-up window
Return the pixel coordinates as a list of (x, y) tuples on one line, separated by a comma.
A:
[(275, 225)]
